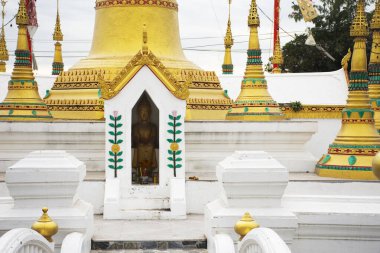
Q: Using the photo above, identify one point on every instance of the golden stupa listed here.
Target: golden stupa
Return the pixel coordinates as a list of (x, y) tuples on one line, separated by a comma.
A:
[(254, 102), (116, 39), (23, 102), (374, 66), (351, 154)]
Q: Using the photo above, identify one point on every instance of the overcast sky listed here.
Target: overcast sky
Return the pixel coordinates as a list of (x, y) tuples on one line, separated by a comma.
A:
[(77, 18)]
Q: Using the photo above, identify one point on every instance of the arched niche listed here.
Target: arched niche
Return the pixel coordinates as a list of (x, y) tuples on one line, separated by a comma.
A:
[(145, 142)]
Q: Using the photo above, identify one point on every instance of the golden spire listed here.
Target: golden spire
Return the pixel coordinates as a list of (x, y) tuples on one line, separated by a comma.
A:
[(277, 57), (23, 102), (228, 67), (254, 102), (374, 66), (4, 56), (351, 154), (45, 226), (58, 65)]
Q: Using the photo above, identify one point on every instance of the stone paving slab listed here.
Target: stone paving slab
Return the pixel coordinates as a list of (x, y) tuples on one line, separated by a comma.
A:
[(152, 251)]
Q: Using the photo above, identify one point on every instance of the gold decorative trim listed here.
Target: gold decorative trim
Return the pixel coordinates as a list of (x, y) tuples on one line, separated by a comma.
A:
[(314, 112), (72, 108), (137, 3), (141, 59), (209, 107)]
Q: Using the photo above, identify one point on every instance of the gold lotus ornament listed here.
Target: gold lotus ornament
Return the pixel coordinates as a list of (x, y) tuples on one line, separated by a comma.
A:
[(45, 226), (245, 225)]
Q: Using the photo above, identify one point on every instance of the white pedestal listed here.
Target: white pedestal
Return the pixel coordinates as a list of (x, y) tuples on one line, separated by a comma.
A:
[(251, 182), (48, 179)]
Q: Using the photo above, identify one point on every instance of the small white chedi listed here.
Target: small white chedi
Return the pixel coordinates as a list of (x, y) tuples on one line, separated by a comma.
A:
[(48, 178)]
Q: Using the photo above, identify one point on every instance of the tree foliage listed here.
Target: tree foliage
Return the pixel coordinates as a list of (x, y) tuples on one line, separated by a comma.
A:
[(331, 31)]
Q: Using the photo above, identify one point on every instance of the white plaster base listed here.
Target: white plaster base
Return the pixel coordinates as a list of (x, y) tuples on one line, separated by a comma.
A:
[(79, 218), (208, 143), (144, 206), (221, 220)]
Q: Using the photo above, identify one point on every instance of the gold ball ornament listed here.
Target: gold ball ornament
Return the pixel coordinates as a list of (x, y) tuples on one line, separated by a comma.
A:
[(245, 225), (174, 146), (376, 165), (45, 226), (115, 148)]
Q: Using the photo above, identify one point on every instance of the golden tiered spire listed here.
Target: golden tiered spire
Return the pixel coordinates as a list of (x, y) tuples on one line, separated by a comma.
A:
[(58, 36), (23, 102), (374, 66), (254, 102), (351, 154), (277, 57), (4, 56), (228, 67)]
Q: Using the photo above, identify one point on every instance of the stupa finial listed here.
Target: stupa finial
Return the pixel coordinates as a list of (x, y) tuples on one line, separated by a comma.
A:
[(278, 59), (58, 65), (228, 67), (22, 16), (253, 19), (58, 35), (4, 55), (359, 27)]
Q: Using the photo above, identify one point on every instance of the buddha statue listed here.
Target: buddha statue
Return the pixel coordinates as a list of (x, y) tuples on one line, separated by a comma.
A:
[(144, 142)]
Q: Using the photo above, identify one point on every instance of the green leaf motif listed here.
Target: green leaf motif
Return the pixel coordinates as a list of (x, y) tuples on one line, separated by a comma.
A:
[(120, 153), (111, 167), (111, 153), (171, 166), (352, 160), (179, 140), (111, 160), (111, 125), (112, 118), (170, 152), (178, 124), (111, 133), (111, 141), (119, 160), (179, 159), (119, 133), (178, 166), (119, 141), (170, 131), (170, 140), (119, 167), (118, 118), (119, 125), (170, 158), (178, 117), (171, 117), (178, 132), (171, 124), (178, 152)]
